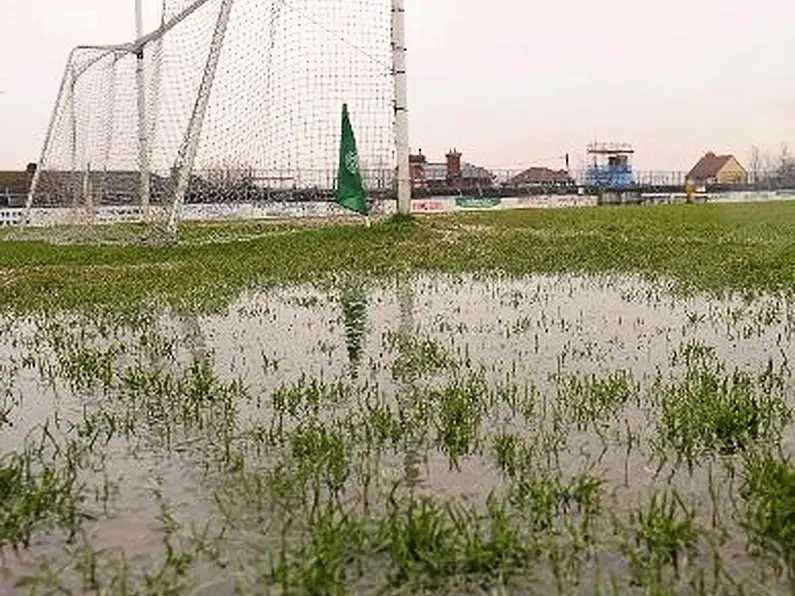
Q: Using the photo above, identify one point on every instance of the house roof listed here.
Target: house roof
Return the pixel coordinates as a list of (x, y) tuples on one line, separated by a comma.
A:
[(541, 175), (15, 182), (709, 166), (438, 172), (418, 158)]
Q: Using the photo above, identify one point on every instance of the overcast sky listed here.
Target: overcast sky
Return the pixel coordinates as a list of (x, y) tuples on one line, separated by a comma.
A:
[(507, 82)]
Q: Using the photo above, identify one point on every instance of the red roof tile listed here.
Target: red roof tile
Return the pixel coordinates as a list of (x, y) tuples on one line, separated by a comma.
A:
[(708, 166), (540, 175)]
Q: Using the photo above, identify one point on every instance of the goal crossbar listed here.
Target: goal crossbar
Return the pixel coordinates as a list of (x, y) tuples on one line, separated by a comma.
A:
[(282, 76)]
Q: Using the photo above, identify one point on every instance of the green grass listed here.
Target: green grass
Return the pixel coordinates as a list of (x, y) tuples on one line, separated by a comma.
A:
[(716, 247), (709, 411), (769, 513)]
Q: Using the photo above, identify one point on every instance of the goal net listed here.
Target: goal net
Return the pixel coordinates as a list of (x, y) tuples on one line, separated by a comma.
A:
[(228, 100)]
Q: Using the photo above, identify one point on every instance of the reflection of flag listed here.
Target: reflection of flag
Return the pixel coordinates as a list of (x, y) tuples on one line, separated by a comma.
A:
[(350, 189), (354, 314)]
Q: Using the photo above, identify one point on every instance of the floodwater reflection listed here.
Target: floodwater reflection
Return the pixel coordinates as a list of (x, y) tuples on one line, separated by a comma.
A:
[(542, 390)]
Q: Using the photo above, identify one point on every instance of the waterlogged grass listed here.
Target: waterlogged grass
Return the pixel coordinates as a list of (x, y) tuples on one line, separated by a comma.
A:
[(769, 490), (405, 408), (46, 484), (710, 411)]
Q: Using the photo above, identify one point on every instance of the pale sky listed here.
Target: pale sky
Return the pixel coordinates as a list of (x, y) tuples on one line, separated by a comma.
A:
[(510, 83)]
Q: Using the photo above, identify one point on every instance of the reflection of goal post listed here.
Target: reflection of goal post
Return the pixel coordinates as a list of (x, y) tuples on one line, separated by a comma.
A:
[(234, 86)]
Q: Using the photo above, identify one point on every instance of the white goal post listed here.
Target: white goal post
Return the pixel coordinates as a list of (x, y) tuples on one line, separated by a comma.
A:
[(224, 96)]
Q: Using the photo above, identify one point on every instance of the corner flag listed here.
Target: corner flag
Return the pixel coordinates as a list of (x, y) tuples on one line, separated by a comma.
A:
[(350, 189)]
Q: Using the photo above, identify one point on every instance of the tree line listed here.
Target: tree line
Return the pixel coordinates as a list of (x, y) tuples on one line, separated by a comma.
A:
[(776, 170)]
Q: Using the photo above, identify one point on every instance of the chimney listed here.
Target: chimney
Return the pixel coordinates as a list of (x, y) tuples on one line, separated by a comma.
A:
[(454, 165), (417, 169)]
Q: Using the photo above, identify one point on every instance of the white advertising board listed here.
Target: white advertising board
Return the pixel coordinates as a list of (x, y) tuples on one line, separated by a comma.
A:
[(253, 211)]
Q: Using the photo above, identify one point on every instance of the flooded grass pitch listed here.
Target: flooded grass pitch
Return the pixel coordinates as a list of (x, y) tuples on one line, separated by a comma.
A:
[(206, 419)]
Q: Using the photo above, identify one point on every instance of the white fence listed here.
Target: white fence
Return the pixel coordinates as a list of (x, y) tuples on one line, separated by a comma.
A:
[(190, 212), (451, 204), (276, 210)]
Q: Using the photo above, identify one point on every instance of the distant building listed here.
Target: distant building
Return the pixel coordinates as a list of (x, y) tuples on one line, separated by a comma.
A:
[(611, 165), (453, 175), (14, 185), (14, 182), (108, 187), (718, 169), (540, 176)]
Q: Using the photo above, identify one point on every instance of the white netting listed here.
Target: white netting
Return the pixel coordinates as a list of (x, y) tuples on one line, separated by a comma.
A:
[(273, 119)]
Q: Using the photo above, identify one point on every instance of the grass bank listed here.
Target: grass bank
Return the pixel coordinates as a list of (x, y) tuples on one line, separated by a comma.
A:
[(718, 247)]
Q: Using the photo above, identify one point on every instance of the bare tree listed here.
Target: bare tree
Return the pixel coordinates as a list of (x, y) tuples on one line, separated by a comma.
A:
[(786, 167), (769, 167), (755, 164), (784, 156)]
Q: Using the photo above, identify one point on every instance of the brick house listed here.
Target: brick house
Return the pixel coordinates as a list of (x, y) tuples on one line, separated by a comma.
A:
[(452, 175), (718, 169)]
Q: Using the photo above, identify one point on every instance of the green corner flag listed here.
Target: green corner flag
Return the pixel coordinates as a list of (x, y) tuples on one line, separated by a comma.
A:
[(350, 190)]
